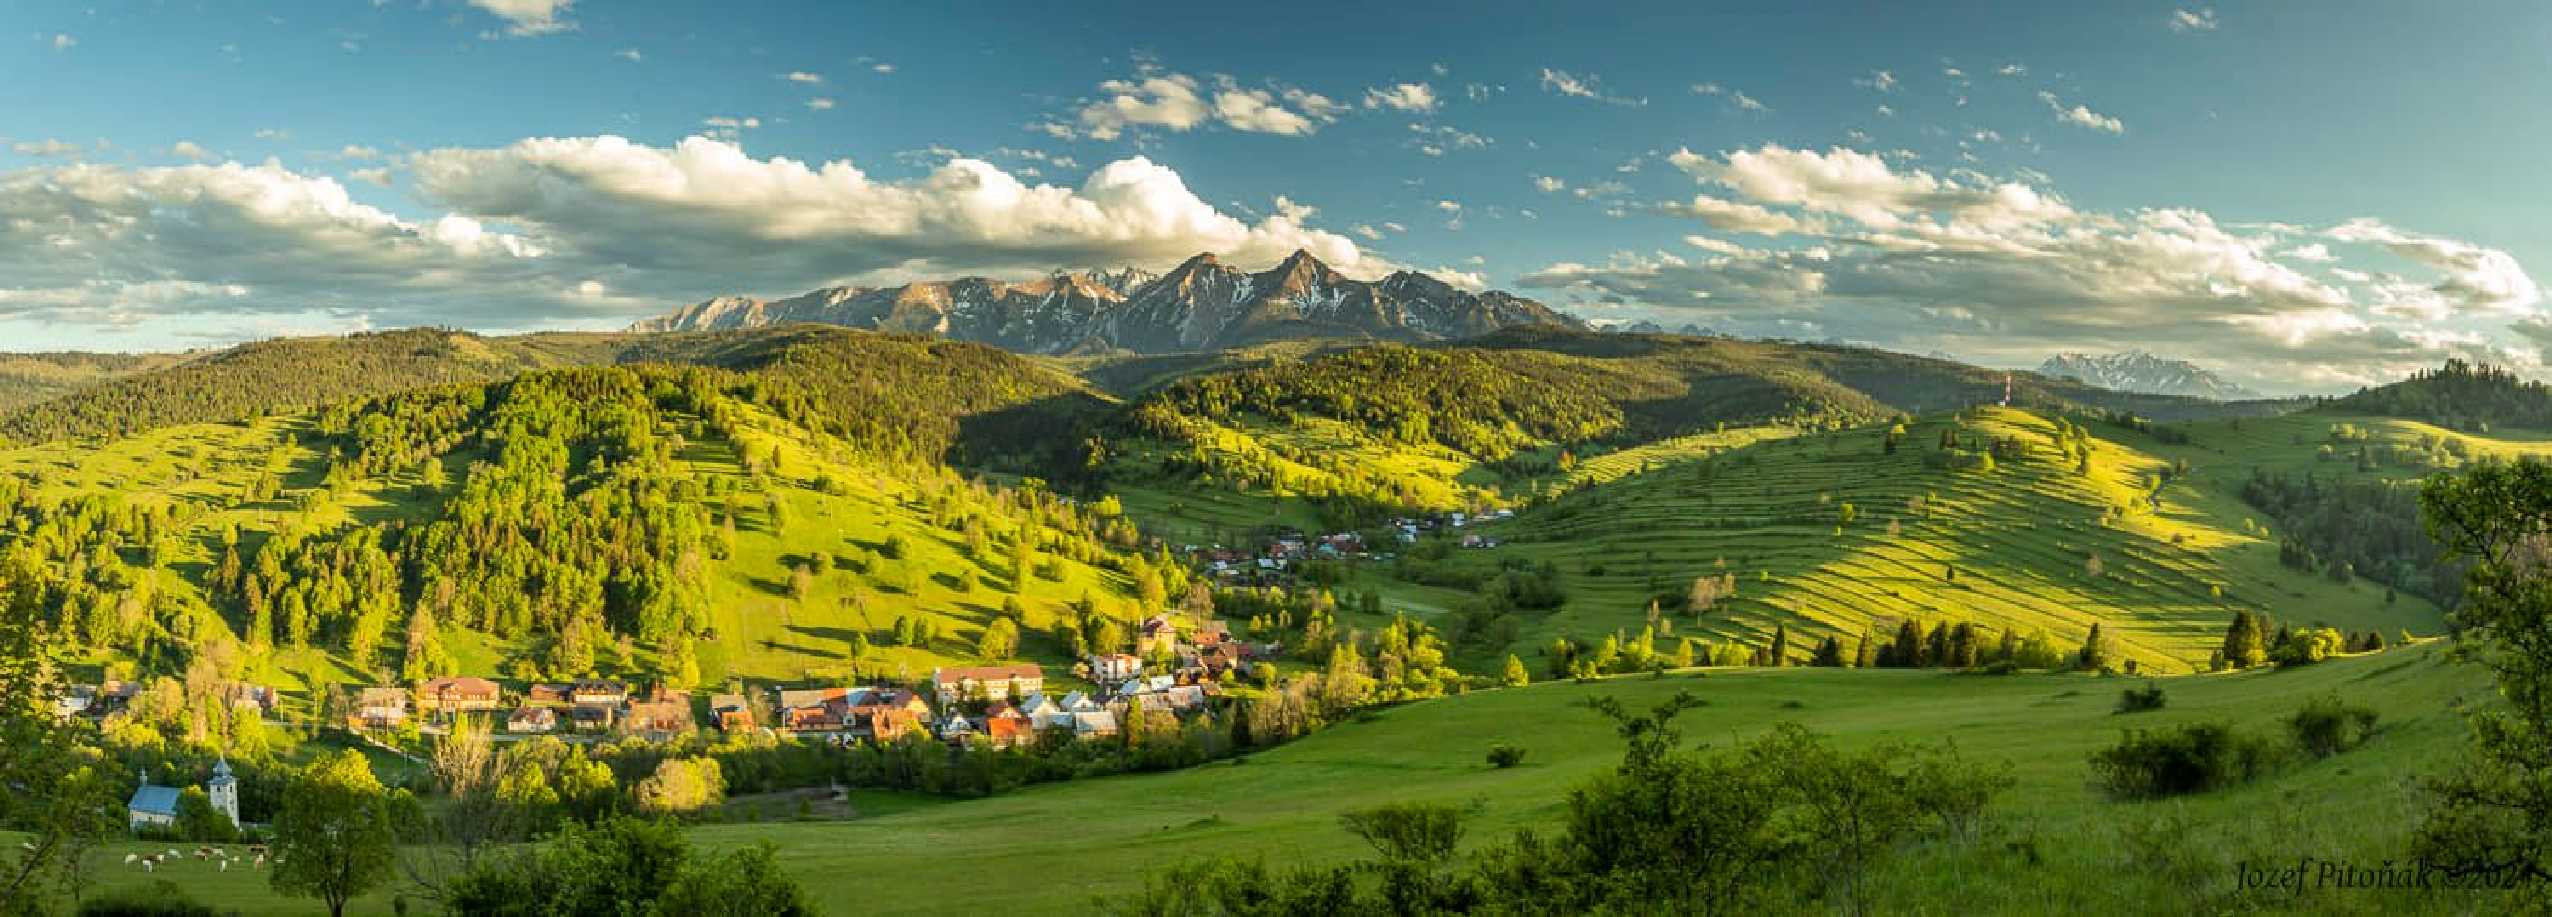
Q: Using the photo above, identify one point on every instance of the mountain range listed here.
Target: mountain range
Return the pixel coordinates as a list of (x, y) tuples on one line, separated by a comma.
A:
[(2141, 372), (1203, 304)]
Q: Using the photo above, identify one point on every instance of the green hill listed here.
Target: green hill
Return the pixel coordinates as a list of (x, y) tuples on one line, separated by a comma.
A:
[(28, 378), (697, 523)]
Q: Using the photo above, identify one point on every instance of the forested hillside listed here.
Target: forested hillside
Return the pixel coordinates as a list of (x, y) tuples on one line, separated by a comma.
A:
[(2458, 396), (287, 374), (681, 522), (27, 378)]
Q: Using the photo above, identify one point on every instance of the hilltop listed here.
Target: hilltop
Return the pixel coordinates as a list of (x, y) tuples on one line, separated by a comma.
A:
[(1201, 305)]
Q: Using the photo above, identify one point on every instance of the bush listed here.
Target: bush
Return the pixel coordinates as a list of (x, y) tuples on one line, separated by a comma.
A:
[(160, 899), (1503, 755), (2140, 700), (2327, 726), (2193, 758), (2307, 646)]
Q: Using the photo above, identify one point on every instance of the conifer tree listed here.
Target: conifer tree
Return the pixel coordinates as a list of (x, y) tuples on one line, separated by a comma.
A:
[(1864, 654), (1907, 651), (1829, 654), (1779, 653), (2095, 651)]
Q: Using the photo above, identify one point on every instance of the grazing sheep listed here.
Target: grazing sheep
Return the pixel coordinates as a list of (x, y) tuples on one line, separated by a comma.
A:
[(225, 866), (151, 865), (132, 858)]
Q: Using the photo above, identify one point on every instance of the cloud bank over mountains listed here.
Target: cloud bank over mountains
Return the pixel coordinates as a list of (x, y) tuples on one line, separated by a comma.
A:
[(2002, 269)]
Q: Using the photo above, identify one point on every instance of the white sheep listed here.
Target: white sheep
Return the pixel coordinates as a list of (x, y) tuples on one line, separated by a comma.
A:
[(225, 866), (150, 865), (131, 858)]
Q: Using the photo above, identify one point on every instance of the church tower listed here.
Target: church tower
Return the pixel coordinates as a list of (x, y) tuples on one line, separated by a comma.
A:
[(224, 790)]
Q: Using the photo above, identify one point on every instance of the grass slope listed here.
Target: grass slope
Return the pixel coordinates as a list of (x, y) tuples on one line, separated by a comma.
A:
[(2020, 539)]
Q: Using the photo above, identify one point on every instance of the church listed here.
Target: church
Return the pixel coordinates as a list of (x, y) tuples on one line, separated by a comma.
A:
[(156, 806)]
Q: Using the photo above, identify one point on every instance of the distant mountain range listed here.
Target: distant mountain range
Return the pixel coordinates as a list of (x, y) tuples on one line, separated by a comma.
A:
[(2138, 371), (1644, 326), (1203, 304)]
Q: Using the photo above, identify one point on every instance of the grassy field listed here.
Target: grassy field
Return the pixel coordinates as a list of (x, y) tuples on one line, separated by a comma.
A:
[(2010, 547), (2056, 846)]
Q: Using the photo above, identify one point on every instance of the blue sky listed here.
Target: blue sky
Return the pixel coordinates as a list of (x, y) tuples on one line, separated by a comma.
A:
[(2306, 196)]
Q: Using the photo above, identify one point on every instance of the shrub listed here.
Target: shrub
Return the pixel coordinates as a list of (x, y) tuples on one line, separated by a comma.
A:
[(2308, 646), (2327, 726), (160, 899), (2192, 758), (1503, 755), (2140, 700)]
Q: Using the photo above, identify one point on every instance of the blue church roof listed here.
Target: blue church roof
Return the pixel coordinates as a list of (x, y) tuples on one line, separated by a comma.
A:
[(156, 800)]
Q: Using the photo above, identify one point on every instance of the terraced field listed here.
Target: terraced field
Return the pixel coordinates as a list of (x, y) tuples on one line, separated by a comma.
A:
[(1830, 534)]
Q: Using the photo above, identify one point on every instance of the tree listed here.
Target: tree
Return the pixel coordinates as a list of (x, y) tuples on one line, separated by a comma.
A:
[(333, 840), (2095, 651), (65, 804), (2242, 642), (1864, 653), (681, 786), (425, 657), (1000, 639), (1779, 655), (628, 866), (1829, 654), (1515, 676), (197, 820)]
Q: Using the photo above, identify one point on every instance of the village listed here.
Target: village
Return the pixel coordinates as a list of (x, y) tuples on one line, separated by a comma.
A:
[(1272, 560), (1170, 678)]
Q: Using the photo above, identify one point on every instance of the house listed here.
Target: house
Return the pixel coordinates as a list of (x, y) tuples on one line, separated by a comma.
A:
[(113, 697), (818, 718), (547, 695), (666, 716), (1077, 702), (74, 700), (1009, 731), (1108, 667), (797, 698), (589, 718), (1214, 633), (257, 698), (596, 692), (956, 729), (1094, 725), (731, 712), (1042, 713), (891, 723), (956, 683), (382, 708), (533, 720), (457, 695), (1154, 631)]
